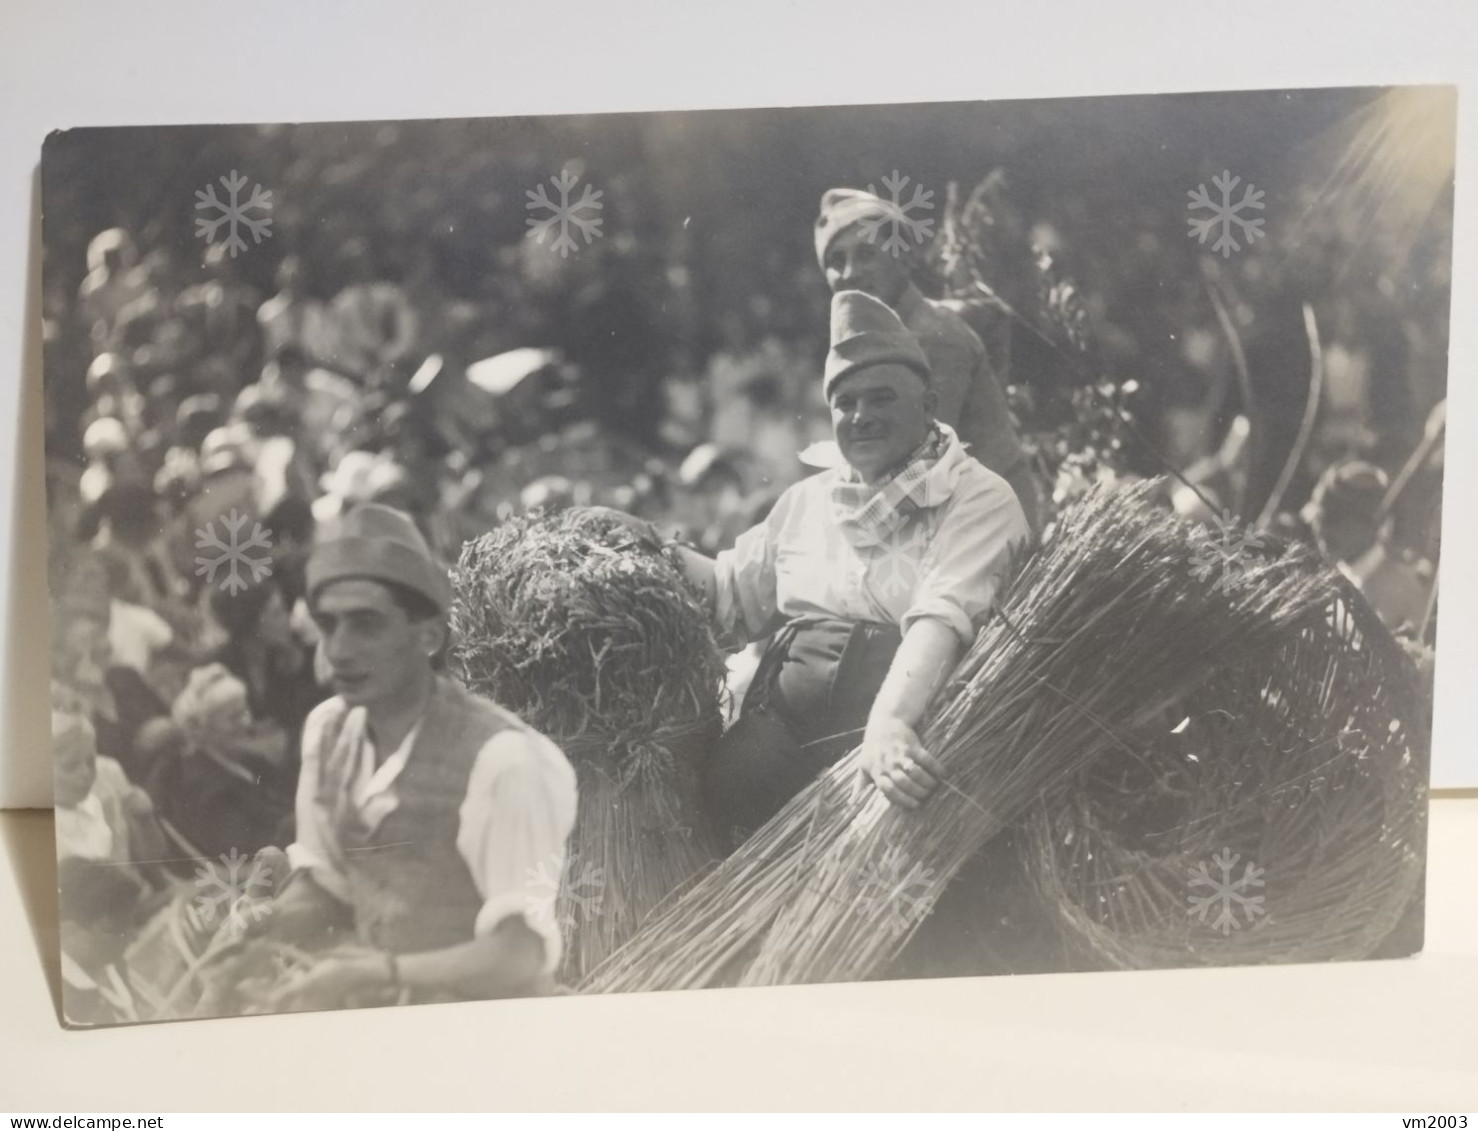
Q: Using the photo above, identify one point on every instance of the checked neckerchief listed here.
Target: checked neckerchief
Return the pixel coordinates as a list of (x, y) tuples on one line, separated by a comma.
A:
[(871, 515)]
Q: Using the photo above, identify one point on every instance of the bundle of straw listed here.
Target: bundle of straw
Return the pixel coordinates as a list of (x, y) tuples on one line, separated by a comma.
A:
[(1108, 625), (593, 637), (1300, 783)]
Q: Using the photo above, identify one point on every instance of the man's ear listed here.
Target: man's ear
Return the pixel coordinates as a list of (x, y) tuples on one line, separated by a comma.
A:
[(322, 672), (434, 634)]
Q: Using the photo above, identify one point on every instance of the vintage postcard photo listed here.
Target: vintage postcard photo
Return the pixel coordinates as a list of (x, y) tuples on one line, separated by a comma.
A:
[(573, 555)]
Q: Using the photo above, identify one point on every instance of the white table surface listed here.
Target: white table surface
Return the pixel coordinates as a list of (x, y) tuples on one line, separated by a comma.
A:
[(1396, 1035)]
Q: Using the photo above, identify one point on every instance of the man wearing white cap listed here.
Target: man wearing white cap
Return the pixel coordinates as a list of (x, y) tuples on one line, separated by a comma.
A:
[(970, 398), (878, 574), (426, 815)]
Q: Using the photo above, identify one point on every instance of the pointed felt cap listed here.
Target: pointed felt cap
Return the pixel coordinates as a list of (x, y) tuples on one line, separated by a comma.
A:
[(864, 332), (382, 544)]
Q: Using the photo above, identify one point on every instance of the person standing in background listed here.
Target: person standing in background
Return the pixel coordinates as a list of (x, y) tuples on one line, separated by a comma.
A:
[(970, 398)]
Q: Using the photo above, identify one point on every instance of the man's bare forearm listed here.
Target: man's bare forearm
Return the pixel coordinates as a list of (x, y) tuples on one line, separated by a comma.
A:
[(928, 653), (505, 963)]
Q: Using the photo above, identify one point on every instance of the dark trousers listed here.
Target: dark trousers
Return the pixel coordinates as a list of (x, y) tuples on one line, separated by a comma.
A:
[(805, 709)]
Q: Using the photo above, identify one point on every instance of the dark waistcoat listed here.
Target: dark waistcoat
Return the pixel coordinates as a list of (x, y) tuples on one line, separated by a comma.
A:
[(409, 887)]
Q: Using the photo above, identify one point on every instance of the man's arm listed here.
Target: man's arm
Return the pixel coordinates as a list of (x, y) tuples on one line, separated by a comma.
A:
[(309, 905), (509, 961), (971, 559), (701, 572), (972, 425), (738, 588), (983, 423), (892, 756), (518, 814)]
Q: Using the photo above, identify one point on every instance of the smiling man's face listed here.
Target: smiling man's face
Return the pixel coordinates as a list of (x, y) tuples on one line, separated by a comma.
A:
[(880, 415)]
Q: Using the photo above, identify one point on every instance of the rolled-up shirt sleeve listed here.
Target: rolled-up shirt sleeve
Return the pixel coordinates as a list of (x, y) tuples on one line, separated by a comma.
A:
[(982, 534), (517, 815), (315, 847), (745, 598)]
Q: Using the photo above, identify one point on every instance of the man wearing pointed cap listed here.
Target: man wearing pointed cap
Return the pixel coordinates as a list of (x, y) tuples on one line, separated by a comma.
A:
[(970, 398), (426, 815), (873, 576)]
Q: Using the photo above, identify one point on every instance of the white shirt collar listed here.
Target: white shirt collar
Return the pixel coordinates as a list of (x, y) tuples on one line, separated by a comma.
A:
[(371, 787)]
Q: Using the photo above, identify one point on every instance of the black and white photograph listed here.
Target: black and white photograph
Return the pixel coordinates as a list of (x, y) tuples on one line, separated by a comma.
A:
[(571, 555)]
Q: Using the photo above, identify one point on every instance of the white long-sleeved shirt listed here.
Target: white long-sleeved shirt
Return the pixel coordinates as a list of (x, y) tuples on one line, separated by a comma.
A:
[(947, 562), (517, 814)]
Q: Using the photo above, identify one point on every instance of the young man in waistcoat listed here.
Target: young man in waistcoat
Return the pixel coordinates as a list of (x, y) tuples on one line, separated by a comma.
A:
[(428, 818)]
